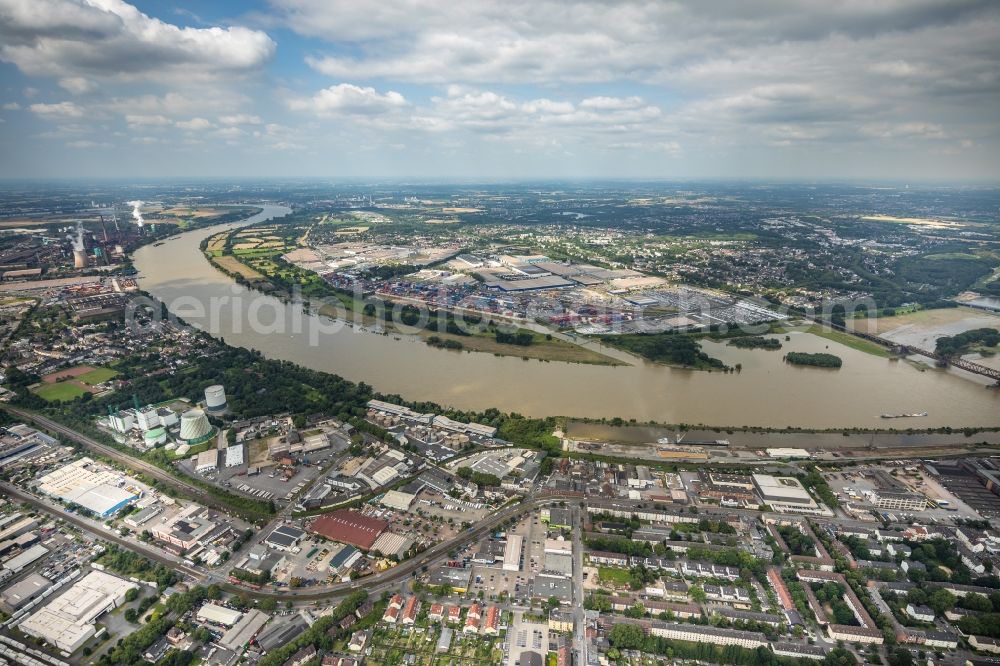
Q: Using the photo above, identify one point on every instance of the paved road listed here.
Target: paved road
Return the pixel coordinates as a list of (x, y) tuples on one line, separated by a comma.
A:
[(99, 530), (413, 565), (579, 619), (132, 462)]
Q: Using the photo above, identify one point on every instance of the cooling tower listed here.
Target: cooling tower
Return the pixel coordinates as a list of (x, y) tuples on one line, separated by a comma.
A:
[(215, 398), (79, 258), (194, 426)]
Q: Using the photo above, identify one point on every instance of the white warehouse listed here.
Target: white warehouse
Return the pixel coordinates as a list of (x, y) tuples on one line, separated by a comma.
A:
[(234, 456), (68, 621)]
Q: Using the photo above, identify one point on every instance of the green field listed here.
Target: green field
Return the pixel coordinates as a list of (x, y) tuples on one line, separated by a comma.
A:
[(97, 376), (612, 575), (58, 391), (848, 340)]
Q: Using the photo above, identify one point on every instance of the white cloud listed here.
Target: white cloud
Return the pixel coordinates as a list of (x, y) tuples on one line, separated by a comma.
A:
[(145, 120), (77, 85), (611, 103), (112, 39), (57, 110), (920, 130), (194, 124), (12, 106), (240, 119), (84, 144), (349, 99)]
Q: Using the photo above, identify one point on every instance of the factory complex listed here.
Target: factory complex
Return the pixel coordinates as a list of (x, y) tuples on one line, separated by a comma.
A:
[(95, 487)]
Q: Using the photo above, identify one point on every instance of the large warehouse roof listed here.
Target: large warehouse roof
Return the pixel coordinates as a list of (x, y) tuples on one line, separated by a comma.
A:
[(219, 615), (94, 487), (24, 591), (350, 527), (68, 620)]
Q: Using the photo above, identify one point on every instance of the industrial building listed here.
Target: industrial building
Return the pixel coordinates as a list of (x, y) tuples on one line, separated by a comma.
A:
[(395, 499), (895, 500), (285, 537), (94, 487), (243, 632), (344, 560), (216, 614), (394, 545), (454, 577), (512, 552), (207, 461), (351, 527), (195, 427), (234, 456), (785, 494), (25, 558), (215, 399), (67, 622), (25, 591)]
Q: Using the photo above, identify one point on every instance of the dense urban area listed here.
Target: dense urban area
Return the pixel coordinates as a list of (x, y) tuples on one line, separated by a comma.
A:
[(171, 496)]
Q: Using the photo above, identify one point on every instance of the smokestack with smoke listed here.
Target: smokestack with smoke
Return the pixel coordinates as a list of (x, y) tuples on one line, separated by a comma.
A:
[(78, 241), (79, 249), (137, 213)]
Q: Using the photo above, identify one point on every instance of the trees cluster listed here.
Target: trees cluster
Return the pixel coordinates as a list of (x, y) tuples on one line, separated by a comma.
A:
[(755, 342), (820, 360), (478, 478), (798, 542), (248, 577), (832, 593), (134, 565), (520, 337), (669, 348), (632, 637), (956, 345)]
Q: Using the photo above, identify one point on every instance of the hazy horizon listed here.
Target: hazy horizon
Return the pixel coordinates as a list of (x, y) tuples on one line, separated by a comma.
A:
[(514, 92)]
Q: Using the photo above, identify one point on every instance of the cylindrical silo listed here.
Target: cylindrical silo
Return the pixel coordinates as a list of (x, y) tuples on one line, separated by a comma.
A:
[(215, 398)]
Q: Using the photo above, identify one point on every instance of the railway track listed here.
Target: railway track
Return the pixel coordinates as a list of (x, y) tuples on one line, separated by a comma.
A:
[(136, 464)]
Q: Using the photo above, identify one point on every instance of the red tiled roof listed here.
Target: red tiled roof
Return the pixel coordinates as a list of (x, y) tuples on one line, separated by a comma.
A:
[(349, 527)]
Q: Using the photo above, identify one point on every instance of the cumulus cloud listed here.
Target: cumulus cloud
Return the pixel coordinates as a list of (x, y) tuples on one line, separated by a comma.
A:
[(57, 110), (75, 39), (193, 124), (776, 73), (240, 119), (77, 85), (141, 120), (349, 99)]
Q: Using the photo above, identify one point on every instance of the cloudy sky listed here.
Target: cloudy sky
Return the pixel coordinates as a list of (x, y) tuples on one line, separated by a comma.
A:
[(518, 89)]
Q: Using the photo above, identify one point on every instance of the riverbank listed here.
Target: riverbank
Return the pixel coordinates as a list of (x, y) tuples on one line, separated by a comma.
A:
[(543, 346), (766, 394)]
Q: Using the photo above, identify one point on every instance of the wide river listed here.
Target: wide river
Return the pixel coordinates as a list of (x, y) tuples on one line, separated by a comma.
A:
[(768, 392)]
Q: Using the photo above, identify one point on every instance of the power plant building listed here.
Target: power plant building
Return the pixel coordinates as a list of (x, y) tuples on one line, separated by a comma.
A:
[(195, 427)]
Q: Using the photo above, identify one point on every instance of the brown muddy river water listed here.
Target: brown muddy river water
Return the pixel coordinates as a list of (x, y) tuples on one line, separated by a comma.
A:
[(768, 392)]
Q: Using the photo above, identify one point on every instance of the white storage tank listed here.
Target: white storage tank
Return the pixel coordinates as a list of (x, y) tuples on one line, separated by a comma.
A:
[(215, 398)]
